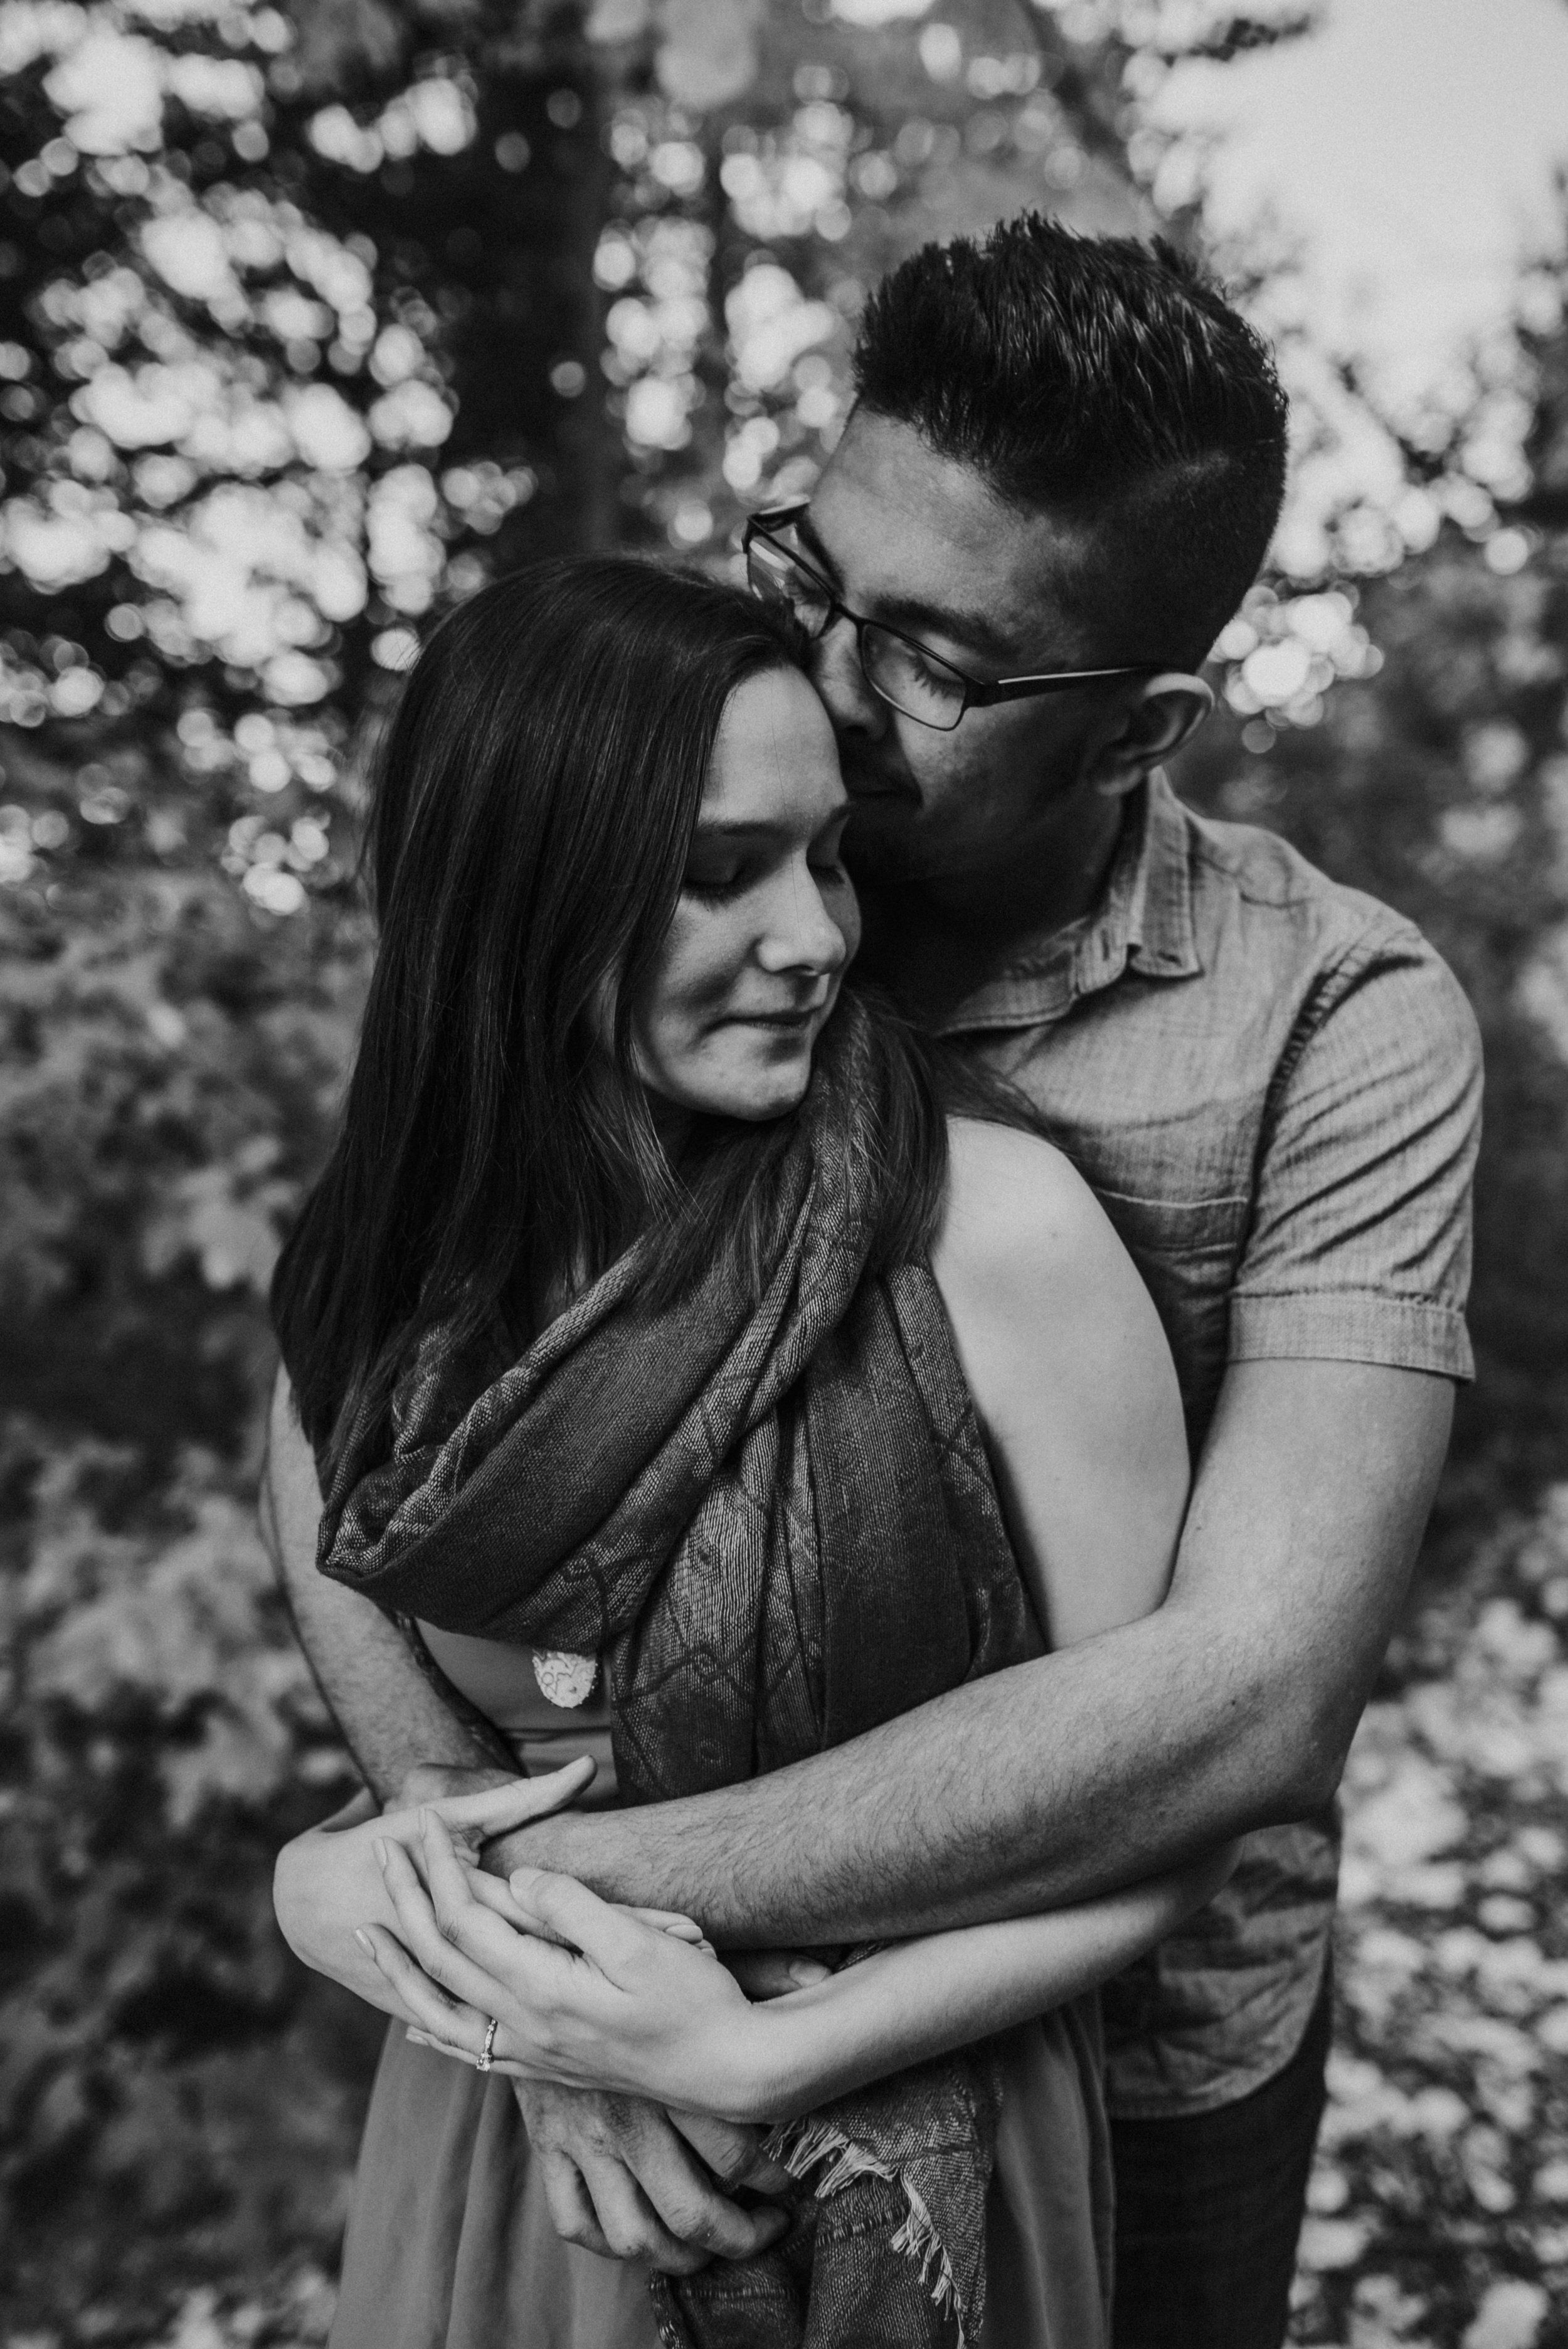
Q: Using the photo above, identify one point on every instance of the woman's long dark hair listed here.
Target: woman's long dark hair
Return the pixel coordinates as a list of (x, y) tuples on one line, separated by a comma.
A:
[(533, 806)]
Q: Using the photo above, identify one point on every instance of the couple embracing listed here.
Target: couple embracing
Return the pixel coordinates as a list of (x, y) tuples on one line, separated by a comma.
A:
[(864, 1379)]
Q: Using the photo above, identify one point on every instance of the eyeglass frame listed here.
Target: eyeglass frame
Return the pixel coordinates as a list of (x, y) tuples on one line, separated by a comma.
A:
[(979, 693)]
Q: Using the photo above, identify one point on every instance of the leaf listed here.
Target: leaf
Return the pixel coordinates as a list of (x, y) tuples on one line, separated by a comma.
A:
[(1509, 2317), (707, 53), (191, 1634), (345, 41), (609, 21)]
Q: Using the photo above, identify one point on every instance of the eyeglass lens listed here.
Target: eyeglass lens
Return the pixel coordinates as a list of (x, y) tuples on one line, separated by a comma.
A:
[(902, 675), (774, 575), (895, 668)]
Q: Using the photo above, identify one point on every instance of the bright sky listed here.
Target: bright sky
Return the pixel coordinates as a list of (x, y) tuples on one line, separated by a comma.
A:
[(1411, 144)]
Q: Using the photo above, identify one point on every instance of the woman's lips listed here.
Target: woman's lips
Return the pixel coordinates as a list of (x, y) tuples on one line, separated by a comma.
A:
[(784, 1019)]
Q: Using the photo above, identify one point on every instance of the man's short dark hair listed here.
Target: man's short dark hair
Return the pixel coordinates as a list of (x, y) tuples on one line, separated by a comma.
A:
[(1109, 383)]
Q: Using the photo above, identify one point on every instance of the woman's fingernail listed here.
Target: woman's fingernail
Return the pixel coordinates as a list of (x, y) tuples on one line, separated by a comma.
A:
[(417, 2038), (379, 1849), (806, 1972), (365, 1942)]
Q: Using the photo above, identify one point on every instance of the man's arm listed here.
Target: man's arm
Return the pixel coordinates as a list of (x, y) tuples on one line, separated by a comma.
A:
[(391, 1716), (1232, 1708)]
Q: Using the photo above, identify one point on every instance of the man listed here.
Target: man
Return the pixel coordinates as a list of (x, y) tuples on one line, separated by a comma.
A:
[(1060, 476)]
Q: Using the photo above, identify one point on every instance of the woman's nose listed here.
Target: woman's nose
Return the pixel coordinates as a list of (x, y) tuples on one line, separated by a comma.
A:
[(802, 936)]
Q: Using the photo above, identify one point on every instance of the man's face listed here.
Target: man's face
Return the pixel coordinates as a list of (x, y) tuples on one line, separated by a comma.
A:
[(920, 542)]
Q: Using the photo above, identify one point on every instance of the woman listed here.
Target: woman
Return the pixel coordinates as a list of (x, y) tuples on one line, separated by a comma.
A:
[(678, 1377)]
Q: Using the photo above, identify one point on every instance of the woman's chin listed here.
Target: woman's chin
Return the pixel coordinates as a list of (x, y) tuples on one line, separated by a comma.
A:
[(757, 1094), (760, 1102)]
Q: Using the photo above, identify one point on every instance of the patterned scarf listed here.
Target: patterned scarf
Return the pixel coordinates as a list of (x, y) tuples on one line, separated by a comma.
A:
[(773, 1519)]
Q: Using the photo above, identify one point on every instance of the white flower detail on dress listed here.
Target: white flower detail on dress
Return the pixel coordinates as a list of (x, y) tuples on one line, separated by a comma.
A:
[(565, 1679)]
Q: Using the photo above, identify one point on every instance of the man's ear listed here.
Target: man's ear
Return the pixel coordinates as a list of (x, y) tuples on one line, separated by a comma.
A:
[(1159, 715)]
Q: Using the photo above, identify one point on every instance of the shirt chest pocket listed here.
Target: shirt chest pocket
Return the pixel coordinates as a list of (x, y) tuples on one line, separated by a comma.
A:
[(1189, 1252), (1205, 1235)]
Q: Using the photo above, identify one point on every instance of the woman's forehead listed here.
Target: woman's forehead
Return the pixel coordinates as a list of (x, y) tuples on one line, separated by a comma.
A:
[(774, 761)]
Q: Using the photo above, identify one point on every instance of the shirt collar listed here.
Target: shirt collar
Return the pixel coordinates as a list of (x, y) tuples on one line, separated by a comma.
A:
[(1143, 922)]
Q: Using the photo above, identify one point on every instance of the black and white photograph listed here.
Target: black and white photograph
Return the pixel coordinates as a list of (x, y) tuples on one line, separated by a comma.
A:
[(784, 1174)]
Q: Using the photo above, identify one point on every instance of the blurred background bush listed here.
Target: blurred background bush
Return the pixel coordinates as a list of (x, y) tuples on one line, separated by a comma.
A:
[(310, 322)]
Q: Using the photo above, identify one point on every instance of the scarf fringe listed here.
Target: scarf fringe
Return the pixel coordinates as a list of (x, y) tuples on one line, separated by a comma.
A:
[(802, 2145)]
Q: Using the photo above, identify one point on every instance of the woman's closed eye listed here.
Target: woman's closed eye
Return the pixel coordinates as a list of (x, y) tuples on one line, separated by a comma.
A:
[(715, 885)]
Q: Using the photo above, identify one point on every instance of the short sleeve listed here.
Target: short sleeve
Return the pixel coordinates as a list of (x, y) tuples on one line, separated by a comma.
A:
[(1359, 1247)]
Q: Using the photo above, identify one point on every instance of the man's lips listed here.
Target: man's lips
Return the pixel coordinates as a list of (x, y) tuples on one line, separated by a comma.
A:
[(862, 787)]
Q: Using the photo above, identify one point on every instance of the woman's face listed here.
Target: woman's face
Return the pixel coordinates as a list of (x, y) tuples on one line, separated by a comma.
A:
[(767, 920)]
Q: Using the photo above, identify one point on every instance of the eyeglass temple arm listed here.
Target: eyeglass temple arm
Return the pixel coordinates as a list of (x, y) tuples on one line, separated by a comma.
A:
[(1016, 689), (978, 693)]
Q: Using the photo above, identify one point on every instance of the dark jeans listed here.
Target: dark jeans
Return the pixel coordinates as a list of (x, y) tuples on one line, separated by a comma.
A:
[(1208, 2206)]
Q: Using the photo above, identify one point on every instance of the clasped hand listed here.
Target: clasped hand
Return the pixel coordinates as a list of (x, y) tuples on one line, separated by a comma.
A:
[(623, 2175), (580, 1991)]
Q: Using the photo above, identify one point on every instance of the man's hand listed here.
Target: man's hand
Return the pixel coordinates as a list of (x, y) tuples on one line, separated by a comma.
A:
[(436, 1782), (328, 1884), (774, 1973), (631, 2181)]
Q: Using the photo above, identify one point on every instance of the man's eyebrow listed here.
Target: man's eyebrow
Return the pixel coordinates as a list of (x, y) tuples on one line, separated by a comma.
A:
[(970, 628)]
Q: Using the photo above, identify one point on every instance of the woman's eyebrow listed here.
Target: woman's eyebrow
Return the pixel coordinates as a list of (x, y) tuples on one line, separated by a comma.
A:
[(735, 828), (713, 830)]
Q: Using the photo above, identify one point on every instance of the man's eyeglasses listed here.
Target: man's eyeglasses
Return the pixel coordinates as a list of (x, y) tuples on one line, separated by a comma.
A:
[(899, 670)]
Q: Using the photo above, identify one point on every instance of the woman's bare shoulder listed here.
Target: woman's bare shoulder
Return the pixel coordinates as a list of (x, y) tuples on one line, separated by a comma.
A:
[(1018, 1209), (1071, 1375), (1042, 1295)]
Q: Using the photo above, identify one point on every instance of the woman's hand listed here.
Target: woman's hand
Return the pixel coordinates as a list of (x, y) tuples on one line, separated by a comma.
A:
[(580, 1992), (328, 1880)]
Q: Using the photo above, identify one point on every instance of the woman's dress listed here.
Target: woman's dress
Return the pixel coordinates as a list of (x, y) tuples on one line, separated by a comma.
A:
[(450, 2243)]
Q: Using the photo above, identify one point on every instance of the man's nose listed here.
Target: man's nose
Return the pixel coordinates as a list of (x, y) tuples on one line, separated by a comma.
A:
[(838, 678)]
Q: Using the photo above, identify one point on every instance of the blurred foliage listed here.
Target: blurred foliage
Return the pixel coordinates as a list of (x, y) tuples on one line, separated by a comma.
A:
[(166, 2072), (310, 321), (1440, 783), (1437, 2202)]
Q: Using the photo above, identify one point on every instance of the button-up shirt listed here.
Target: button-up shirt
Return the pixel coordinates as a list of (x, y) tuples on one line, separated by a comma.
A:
[(1273, 1083)]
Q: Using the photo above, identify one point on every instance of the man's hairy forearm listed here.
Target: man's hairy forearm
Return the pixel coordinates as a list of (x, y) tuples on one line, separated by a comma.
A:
[(979, 1805), (391, 1716), (354, 1667), (1063, 1779)]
